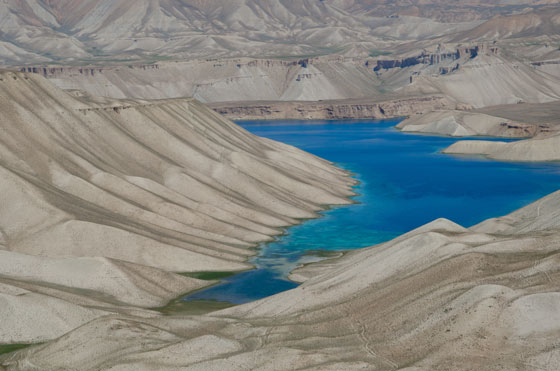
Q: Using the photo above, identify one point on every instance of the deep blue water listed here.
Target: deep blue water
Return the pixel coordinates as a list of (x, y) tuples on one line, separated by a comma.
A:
[(405, 182)]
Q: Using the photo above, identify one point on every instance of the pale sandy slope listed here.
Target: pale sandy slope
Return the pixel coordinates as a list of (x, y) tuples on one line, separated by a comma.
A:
[(81, 31), (536, 149), (168, 184), (43, 298), (153, 30), (490, 80), (463, 123), (103, 199), (227, 80), (439, 297), (510, 120), (485, 80)]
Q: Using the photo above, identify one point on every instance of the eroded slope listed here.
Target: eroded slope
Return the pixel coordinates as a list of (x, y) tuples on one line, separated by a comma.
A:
[(183, 187), (439, 297), (103, 199)]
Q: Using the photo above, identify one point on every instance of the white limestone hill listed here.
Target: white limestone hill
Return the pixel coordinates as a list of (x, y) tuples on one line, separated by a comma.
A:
[(103, 199), (123, 31), (510, 120), (535, 149), (541, 122), (168, 184), (439, 297), (155, 30), (490, 80), (443, 10), (469, 75), (539, 23), (43, 298), (225, 80), (463, 123)]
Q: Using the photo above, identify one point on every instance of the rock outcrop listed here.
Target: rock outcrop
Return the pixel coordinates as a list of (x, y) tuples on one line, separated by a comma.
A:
[(330, 110), (222, 80), (436, 57), (473, 75)]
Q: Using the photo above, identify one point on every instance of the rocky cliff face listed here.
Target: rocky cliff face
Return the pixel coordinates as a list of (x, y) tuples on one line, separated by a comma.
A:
[(476, 76), (53, 72), (212, 80), (437, 57), (329, 110)]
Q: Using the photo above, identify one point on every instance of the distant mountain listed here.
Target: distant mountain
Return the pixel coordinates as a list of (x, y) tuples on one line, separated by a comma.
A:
[(528, 24), (442, 10), (91, 31)]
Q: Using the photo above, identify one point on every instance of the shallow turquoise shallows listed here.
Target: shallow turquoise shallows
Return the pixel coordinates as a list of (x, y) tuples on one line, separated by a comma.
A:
[(405, 182)]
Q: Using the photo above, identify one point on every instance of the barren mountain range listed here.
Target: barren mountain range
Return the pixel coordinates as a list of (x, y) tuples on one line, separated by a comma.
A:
[(133, 190), (104, 200), (101, 31), (120, 175), (360, 59)]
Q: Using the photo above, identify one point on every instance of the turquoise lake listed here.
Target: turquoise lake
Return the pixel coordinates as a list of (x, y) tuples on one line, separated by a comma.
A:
[(405, 182)]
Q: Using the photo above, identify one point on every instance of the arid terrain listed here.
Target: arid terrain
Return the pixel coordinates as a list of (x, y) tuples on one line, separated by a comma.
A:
[(78, 31), (493, 55), (122, 177), (441, 297), (133, 191)]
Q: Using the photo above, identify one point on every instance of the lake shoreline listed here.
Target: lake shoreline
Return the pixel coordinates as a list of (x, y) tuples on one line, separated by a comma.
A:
[(329, 125)]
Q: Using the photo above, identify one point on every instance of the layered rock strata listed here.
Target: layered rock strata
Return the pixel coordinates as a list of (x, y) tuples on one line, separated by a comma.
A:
[(331, 110)]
